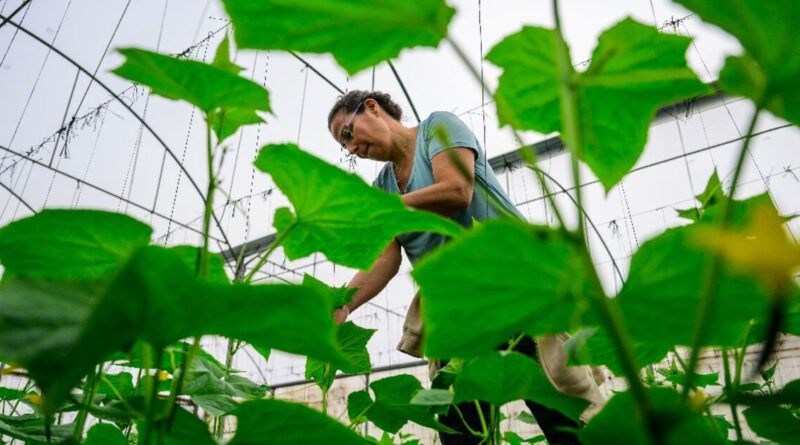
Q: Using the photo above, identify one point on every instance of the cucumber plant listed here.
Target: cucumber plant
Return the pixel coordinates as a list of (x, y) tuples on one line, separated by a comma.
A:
[(84, 290)]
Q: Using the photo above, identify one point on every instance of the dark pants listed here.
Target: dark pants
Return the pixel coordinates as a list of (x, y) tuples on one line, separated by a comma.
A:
[(550, 421)]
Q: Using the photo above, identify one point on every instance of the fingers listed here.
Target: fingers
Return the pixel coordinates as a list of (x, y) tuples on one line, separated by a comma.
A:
[(340, 315)]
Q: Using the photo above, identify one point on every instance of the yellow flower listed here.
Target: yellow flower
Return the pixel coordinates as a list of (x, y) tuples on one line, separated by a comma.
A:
[(698, 400), (35, 399), (760, 248)]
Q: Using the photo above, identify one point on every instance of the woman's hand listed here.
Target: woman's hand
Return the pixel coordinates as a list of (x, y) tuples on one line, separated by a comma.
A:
[(340, 315)]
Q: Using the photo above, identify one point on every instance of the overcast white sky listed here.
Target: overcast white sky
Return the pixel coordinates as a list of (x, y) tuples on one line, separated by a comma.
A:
[(110, 152)]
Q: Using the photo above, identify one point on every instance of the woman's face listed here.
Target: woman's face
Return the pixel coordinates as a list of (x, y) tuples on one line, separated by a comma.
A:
[(363, 133)]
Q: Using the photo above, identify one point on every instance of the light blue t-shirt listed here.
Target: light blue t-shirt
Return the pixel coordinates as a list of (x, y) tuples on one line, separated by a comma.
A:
[(440, 131)]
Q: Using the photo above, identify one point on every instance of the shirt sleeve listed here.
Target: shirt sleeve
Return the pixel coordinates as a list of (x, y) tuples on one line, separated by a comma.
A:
[(446, 130)]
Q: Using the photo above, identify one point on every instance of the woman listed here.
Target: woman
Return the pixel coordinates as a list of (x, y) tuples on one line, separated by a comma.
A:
[(367, 125)]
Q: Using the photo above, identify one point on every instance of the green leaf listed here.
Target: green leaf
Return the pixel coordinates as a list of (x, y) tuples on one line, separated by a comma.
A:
[(515, 439), (116, 386), (499, 378), (358, 403), (105, 434), (284, 423), (446, 375), (721, 422), (213, 391), (473, 299), (70, 244), (769, 373), (768, 71), (339, 296), (357, 34), (667, 273), (432, 397), (712, 199), (700, 380), (59, 335), (226, 121), (216, 404), (13, 393), (527, 417), (222, 58), (187, 429), (336, 212), (228, 100), (352, 340), (205, 86), (750, 387), (618, 95), (30, 429), (711, 196), (287, 317), (774, 423), (171, 360), (620, 422), (788, 395), (392, 407), (216, 264)]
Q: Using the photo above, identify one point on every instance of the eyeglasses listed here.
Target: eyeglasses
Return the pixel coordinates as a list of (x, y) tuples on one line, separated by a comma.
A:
[(346, 134)]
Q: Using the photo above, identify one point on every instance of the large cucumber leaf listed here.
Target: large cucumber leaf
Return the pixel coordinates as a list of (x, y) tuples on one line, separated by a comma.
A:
[(282, 423), (392, 407), (352, 340), (228, 100), (359, 34), (618, 95), (336, 212), (59, 328), (767, 72), (500, 279), (499, 378), (621, 422)]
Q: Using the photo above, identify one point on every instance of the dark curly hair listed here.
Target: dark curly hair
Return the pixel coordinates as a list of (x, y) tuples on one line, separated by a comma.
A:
[(350, 101)]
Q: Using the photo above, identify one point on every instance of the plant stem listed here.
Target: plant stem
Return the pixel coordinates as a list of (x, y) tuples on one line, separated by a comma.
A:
[(609, 310), (232, 345), (514, 342), (354, 422), (714, 425), (201, 269), (326, 371), (494, 416), (88, 396), (679, 359), (569, 111), (263, 260), (194, 350), (714, 264), (611, 317), (737, 378), (464, 422), (731, 387), (202, 265), (484, 428), (152, 390), (117, 393)]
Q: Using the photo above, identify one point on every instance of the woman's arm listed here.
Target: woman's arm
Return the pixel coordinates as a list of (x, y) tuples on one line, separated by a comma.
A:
[(370, 283), (451, 190)]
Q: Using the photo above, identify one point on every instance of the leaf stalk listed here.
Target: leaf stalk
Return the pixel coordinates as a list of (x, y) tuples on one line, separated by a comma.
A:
[(714, 264), (610, 314)]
